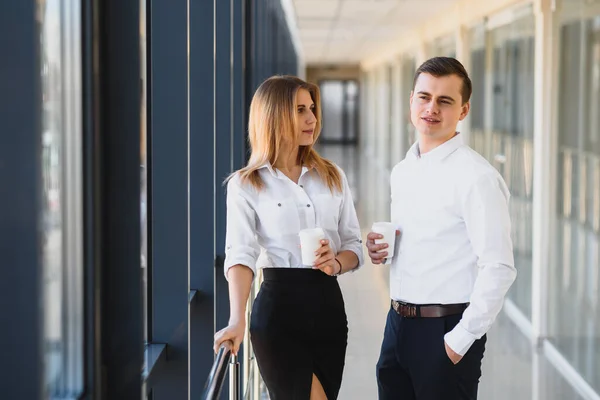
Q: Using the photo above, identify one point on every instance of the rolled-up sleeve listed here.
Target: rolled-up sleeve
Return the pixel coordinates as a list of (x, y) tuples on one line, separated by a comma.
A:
[(241, 246), (349, 228), (487, 220)]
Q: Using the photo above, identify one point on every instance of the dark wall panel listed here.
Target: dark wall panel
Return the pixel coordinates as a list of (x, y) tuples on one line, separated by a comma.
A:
[(169, 192), (20, 145), (202, 183)]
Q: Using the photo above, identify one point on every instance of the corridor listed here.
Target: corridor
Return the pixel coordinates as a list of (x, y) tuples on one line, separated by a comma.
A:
[(121, 119)]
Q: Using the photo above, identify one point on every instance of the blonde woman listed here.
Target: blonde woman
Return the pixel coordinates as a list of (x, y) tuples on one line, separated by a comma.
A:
[(298, 326)]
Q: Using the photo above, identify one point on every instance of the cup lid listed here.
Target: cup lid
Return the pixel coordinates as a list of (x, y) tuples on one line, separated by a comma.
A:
[(311, 230), (383, 223)]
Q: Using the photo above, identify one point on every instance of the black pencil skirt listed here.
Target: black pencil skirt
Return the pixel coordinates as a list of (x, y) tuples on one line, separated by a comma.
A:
[(298, 327)]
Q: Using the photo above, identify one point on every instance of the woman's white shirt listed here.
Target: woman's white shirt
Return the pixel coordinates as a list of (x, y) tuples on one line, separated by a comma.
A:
[(271, 218)]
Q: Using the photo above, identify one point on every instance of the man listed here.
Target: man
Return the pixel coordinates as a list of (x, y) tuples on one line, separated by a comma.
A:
[(453, 262)]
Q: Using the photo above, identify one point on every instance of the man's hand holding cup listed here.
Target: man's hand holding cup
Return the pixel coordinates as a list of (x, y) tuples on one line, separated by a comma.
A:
[(381, 242)]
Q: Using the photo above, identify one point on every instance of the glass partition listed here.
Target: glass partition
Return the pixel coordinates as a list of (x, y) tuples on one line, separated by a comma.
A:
[(507, 126), (574, 311), (443, 46), (477, 73), (61, 207), (144, 168), (409, 67)]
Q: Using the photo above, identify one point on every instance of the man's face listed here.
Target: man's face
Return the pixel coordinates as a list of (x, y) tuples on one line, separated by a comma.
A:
[(436, 106)]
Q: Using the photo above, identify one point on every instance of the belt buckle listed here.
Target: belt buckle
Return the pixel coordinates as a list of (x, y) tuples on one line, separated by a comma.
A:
[(411, 311), (408, 311), (404, 310)]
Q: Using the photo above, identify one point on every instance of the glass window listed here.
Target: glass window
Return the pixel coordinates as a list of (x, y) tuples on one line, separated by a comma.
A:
[(371, 110), (409, 67), (383, 117), (61, 214), (339, 100), (351, 115), (332, 99), (508, 135), (143, 167), (574, 309), (444, 46), (477, 74)]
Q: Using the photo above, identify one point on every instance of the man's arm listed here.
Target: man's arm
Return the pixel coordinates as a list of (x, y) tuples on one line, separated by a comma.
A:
[(487, 220)]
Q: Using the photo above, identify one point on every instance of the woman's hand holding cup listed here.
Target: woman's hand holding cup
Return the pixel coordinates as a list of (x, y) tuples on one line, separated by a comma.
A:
[(316, 251), (326, 259)]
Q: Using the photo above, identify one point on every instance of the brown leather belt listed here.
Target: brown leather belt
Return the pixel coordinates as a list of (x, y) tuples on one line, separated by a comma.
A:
[(409, 310)]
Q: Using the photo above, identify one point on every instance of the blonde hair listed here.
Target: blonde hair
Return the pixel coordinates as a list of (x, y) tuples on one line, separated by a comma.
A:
[(272, 127)]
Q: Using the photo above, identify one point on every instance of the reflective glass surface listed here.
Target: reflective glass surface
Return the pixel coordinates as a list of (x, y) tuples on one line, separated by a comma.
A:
[(61, 206), (143, 166), (574, 309), (502, 128)]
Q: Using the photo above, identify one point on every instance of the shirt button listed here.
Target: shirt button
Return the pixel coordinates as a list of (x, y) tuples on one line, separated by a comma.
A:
[(308, 205), (302, 186), (278, 204)]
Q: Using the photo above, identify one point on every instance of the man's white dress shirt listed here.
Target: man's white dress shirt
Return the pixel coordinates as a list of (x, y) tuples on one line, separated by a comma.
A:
[(268, 221), (451, 207)]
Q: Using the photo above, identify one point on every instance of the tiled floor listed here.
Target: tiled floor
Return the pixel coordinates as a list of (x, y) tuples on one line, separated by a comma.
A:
[(512, 368)]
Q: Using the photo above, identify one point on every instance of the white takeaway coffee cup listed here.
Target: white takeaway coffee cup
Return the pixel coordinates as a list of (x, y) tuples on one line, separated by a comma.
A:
[(310, 241), (388, 230)]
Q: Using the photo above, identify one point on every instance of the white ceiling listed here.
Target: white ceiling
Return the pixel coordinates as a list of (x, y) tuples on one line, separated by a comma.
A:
[(348, 31)]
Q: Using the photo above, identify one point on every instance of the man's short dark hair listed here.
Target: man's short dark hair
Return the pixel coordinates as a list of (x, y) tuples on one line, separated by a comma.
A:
[(444, 66)]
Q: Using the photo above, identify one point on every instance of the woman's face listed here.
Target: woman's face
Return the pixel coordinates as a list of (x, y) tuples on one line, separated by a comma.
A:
[(305, 118)]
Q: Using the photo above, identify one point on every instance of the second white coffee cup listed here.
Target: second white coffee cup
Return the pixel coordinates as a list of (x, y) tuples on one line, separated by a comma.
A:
[(310, 241), (388, 230)]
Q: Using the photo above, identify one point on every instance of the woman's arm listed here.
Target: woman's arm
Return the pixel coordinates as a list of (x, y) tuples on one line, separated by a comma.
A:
[(348, 260), (241, 253), (240, 281), (351, 250), (344, 261), (350, 254)]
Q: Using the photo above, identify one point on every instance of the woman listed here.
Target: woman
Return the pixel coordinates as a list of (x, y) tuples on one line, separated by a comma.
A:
[(298, 326)]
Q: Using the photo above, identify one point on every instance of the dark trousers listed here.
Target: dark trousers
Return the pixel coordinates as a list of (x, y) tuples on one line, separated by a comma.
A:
[(413, 364)]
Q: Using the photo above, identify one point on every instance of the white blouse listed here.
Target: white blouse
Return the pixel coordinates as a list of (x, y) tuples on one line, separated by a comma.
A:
[(268, 221)]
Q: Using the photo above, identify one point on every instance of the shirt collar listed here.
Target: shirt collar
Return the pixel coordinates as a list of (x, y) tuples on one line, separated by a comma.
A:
[(270, 168), (278, 174), (440, 152)]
